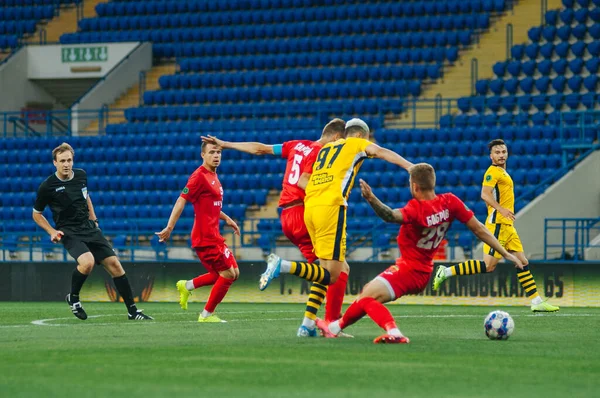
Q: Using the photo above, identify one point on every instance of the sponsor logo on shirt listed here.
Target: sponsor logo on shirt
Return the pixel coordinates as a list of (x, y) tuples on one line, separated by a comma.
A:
[(322, 178), (488, 177), (60, 189), (84, 192), (185, 190), (437, 218), (218, 203)]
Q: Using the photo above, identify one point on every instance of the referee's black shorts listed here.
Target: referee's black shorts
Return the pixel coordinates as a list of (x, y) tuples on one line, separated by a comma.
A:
[(88, 238)]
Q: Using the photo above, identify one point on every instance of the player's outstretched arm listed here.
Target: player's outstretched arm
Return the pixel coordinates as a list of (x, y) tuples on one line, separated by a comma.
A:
[(254, 148), (488, 197), (229, 221), (486, 236), (375, 151), (382, 210), (165, 234)]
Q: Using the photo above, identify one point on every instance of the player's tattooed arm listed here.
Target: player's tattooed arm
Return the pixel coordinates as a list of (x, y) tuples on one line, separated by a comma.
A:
[(382, 210)]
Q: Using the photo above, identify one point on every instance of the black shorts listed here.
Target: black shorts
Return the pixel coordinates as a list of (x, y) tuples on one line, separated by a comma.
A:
[(81, 241)]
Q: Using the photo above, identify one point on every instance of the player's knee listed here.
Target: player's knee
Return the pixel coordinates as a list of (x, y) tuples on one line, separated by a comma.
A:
[(374, 291), (86, 266), (85, 263), (113, 264), (346, 268), (525, 261), (490, 268), (231, 273), (333, 277)]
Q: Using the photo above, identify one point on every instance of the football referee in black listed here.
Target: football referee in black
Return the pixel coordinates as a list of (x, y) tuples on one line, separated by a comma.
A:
[(77, 229)]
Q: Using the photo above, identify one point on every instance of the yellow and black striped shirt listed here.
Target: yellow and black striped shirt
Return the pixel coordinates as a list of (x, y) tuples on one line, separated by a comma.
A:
[(503, 192), (334, 172)]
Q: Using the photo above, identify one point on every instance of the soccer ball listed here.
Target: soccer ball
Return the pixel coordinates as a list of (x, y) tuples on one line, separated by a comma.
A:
[(498, 325)]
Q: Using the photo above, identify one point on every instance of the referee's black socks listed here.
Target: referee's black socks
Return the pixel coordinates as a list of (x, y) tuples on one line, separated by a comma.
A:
[(77, 281), (124, 289)]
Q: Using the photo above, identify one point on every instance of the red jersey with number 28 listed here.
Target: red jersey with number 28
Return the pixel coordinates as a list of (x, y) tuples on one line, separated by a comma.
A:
[(300, 155), (205, 192), (425, 225)]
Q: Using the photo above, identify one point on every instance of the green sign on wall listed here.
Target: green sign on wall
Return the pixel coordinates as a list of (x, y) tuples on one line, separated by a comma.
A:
[(85, 54)]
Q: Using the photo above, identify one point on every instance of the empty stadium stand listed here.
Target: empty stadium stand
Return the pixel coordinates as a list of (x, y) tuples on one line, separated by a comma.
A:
[(275, 70)]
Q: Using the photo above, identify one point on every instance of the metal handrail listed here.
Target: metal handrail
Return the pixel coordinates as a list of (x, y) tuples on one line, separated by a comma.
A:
[(543, 10), (53, 121), (581, 232), (474, 73), (509, 40), (142, 87)]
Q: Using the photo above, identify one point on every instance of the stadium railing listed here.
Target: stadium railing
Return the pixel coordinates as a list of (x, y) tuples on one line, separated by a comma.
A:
[(130, 245), (569, 238), (35, 123)]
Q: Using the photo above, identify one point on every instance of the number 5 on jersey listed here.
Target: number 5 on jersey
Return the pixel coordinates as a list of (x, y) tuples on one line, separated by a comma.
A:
[(295, 172)]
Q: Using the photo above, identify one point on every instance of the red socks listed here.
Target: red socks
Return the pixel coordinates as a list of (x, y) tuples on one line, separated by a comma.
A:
[(368, 306), (206, 279), (217, 293), (353, 314), (335, 298), (378, 313)]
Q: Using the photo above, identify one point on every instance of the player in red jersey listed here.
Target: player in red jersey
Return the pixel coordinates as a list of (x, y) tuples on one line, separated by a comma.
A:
[(425, 220), (300, 155), (205, 192)]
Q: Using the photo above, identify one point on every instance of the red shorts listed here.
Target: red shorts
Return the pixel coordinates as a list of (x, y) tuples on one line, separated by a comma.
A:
[(216, 258), (292, 224), (402, 279)]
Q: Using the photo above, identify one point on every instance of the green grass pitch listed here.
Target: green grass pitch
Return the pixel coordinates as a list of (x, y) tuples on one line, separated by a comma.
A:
[(46, 352)]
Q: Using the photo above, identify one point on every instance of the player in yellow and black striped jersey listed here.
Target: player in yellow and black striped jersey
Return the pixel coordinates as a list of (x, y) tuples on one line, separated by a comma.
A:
[(498, 192), (327, 192)]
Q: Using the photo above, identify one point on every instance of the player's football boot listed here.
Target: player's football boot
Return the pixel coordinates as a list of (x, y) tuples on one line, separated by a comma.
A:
[(324, 328), (303, 331), (544, 306), (76, 308), (139, 316), (210, 319), (389, 339), (272, 272), (184, 294), (440, 276)]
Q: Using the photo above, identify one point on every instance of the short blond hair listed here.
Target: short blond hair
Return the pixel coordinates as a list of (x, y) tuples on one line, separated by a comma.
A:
[(423, 174), (64, 147)]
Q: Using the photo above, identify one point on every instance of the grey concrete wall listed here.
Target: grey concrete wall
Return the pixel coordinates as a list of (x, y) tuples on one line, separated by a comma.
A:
[(15, 88)]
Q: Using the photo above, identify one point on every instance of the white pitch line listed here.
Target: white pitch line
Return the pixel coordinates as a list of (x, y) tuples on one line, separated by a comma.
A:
[(44, 322)]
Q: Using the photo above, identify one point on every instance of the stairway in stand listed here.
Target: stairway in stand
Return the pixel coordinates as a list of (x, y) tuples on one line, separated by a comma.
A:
[(491, 49)]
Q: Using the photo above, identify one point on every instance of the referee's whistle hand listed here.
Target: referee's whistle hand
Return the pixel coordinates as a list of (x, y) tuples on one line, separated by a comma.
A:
[(56, 236)]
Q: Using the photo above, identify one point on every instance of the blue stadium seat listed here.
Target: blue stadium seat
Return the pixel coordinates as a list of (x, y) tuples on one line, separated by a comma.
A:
[(564, 32), (514, 68), (518, 51), (542, 84)]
